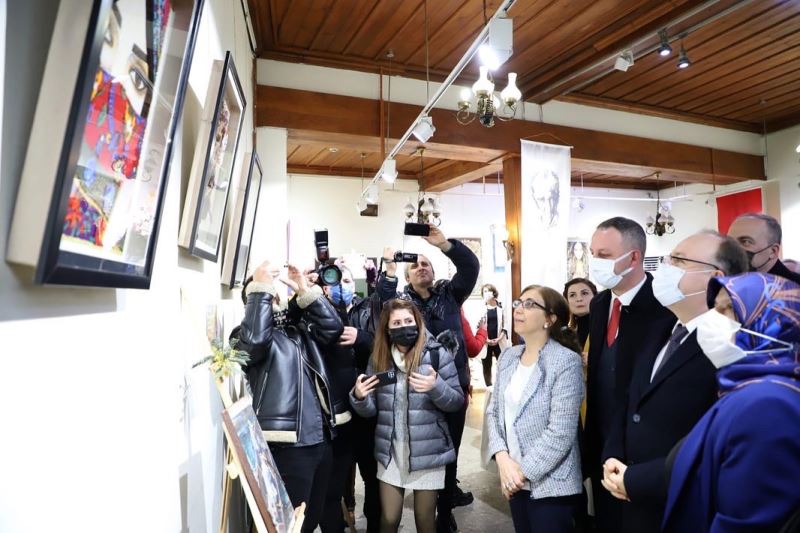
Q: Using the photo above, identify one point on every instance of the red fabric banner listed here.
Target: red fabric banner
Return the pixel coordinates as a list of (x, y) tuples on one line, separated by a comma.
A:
[(732, 205)]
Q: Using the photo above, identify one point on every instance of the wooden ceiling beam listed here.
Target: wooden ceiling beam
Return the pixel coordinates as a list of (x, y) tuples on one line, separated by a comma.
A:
[(336, 116), (322, 170), (457, 173)]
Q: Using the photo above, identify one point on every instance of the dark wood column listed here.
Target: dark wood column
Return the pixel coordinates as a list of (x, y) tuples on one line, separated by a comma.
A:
[(512, 191)]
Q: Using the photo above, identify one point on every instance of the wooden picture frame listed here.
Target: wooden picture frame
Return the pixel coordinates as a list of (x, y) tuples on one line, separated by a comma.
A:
[(240, 234), (92, 189), (264, 489), (214, 160)]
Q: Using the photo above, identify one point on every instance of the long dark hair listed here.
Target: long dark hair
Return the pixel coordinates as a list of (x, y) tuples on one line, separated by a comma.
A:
[(573, 324), (557, 306), (382, 348)]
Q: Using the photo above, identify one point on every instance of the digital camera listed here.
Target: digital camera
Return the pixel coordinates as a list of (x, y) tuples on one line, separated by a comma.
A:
[(327, 272)]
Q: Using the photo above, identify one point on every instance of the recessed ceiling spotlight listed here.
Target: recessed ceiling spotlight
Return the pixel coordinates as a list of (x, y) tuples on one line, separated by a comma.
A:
[(683, 59), (333, 149), (665, 49)]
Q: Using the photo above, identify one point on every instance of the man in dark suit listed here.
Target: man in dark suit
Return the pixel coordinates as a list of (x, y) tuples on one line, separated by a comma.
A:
[(760, 235), (625, 318), (672, 387)]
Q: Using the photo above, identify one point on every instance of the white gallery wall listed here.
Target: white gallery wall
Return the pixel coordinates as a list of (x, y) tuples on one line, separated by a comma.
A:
[(783, 165), (106, 427)]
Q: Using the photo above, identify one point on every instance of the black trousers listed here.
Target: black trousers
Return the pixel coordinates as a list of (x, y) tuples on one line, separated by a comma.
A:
[(305, 471), (492, 352), (444, 507), (342, 447), (545, 515), (607, 509), (364, 452)]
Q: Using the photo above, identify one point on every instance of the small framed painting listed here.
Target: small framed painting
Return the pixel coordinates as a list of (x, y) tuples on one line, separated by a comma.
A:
[(92, 188), (243, 219), (212, 167), (578, 255)]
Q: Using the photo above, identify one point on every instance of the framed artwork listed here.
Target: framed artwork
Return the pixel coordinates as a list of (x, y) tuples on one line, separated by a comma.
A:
[(214, 158), (243, 220), (260, 472), (474, 244), (578, 255), (92, 188)]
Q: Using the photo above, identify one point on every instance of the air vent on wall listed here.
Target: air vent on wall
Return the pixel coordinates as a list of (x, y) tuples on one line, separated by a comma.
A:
[(651, 263)]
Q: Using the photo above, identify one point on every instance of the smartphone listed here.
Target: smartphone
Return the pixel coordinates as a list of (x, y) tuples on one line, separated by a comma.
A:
[(419, 230), (386, 378)]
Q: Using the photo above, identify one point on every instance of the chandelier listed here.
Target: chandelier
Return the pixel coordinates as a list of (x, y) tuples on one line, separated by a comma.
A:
[(487, 105), (428, 209), (663, 222)]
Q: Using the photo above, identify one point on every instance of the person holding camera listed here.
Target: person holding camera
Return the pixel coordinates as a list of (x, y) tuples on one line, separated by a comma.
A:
[(289, 380), (440, 304), (354, 440), (410, 383)]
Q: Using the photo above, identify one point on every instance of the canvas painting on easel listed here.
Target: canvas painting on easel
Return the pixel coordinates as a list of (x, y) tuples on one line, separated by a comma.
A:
[(258, 467)]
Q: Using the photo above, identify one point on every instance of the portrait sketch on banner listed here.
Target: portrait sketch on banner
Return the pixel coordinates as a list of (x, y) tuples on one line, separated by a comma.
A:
[(546, 177), (259, 468), (578, 255)]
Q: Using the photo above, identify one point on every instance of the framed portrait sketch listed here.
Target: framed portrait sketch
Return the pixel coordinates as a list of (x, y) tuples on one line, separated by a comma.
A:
[(214, 158), (93, 183), (578, 255), (260, 473), (243, 219)]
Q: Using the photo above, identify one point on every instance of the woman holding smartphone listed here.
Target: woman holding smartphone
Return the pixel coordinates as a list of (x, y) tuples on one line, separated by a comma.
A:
[(411, 381), (533, 416)]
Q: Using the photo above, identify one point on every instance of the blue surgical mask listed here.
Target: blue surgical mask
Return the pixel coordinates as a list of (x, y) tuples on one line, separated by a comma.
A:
[(342, 294)]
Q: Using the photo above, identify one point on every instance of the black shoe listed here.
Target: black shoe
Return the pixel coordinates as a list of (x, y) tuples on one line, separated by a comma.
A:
[(461, 498)]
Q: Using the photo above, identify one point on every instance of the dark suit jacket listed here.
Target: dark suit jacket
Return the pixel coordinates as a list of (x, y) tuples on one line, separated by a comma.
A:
[(658, 415), (779, 269), (643, 323)]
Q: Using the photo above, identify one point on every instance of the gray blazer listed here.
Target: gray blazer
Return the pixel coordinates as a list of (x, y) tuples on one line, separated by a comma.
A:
[(547, 425)]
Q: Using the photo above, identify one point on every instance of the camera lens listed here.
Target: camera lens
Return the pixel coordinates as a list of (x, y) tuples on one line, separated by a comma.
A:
[(330, 275)]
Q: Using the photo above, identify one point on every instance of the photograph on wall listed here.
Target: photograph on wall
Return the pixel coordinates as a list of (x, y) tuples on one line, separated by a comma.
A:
[(260, 472), (578, 255), (116, 147), (474, 244), (243, 219), (546, 179), (212, 168), (499, 254)]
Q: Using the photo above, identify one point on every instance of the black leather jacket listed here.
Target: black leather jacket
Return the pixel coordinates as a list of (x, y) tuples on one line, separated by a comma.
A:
[(286, 361)]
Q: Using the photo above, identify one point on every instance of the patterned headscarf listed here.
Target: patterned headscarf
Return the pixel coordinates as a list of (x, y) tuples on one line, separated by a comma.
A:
[(769, 305)]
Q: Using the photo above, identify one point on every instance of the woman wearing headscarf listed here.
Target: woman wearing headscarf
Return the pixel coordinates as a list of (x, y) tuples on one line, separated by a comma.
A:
[(739, 467)]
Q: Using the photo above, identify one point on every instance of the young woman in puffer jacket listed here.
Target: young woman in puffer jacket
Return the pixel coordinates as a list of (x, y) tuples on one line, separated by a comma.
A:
[(412, 441)]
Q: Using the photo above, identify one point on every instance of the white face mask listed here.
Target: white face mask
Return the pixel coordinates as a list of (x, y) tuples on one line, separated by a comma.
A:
[(487, 296), (603, 270), (715, 335), (665, 284)]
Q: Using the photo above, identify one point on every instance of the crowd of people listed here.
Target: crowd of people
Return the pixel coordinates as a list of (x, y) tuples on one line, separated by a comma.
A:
[(669, 401)]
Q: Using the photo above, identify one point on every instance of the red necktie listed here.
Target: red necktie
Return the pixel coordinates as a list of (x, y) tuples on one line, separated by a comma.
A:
[(613, 323)]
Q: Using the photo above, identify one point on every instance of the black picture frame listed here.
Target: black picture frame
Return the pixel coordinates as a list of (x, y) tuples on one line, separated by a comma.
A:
[(240, 237), (202, 203), (50, 236)]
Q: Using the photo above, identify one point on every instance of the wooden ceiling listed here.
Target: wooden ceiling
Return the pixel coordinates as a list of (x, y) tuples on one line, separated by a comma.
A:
[(745, 69)]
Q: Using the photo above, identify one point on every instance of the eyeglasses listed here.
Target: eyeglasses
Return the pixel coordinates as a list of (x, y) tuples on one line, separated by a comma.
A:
[(528, 304), (675, 260)]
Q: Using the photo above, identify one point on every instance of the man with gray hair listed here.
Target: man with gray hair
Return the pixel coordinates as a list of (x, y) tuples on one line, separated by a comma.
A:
[(760, 235), (626, 322)]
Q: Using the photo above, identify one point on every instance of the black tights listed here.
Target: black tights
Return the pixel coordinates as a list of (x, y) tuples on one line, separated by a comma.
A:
[(392, 508)]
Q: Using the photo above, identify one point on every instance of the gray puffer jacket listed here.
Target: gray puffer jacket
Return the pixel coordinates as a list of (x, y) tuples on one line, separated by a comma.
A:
[(430, 444)]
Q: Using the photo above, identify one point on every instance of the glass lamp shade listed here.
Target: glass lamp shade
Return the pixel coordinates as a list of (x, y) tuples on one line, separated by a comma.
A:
[(483, 86), (511, 94)]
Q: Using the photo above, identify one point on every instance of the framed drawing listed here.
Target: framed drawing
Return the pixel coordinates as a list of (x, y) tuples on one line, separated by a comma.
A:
[(93, 182), (474, 244), (243, 219), (261, 475), (578, 255), (214, 158)]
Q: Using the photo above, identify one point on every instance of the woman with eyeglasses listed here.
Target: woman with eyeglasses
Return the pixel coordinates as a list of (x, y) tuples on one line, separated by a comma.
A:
[(739, 467), (411, 381), (533, 418)]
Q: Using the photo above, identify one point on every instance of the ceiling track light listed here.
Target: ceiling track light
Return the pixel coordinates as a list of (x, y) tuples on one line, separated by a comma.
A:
[(683, 59), (664, 49), (624, 61), (424, 129), (389, 171)]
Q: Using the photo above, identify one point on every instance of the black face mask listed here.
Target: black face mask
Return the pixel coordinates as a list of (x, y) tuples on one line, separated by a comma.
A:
[(404, 335), (750, 256)]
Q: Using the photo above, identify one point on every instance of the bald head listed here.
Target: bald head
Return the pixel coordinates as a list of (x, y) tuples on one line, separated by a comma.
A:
[(760, 235)]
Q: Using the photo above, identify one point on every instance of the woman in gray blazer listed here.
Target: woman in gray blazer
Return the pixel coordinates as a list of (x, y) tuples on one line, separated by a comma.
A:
[(533, 415)]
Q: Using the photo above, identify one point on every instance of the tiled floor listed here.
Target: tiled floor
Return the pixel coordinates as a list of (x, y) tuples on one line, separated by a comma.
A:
[(489, 511)]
